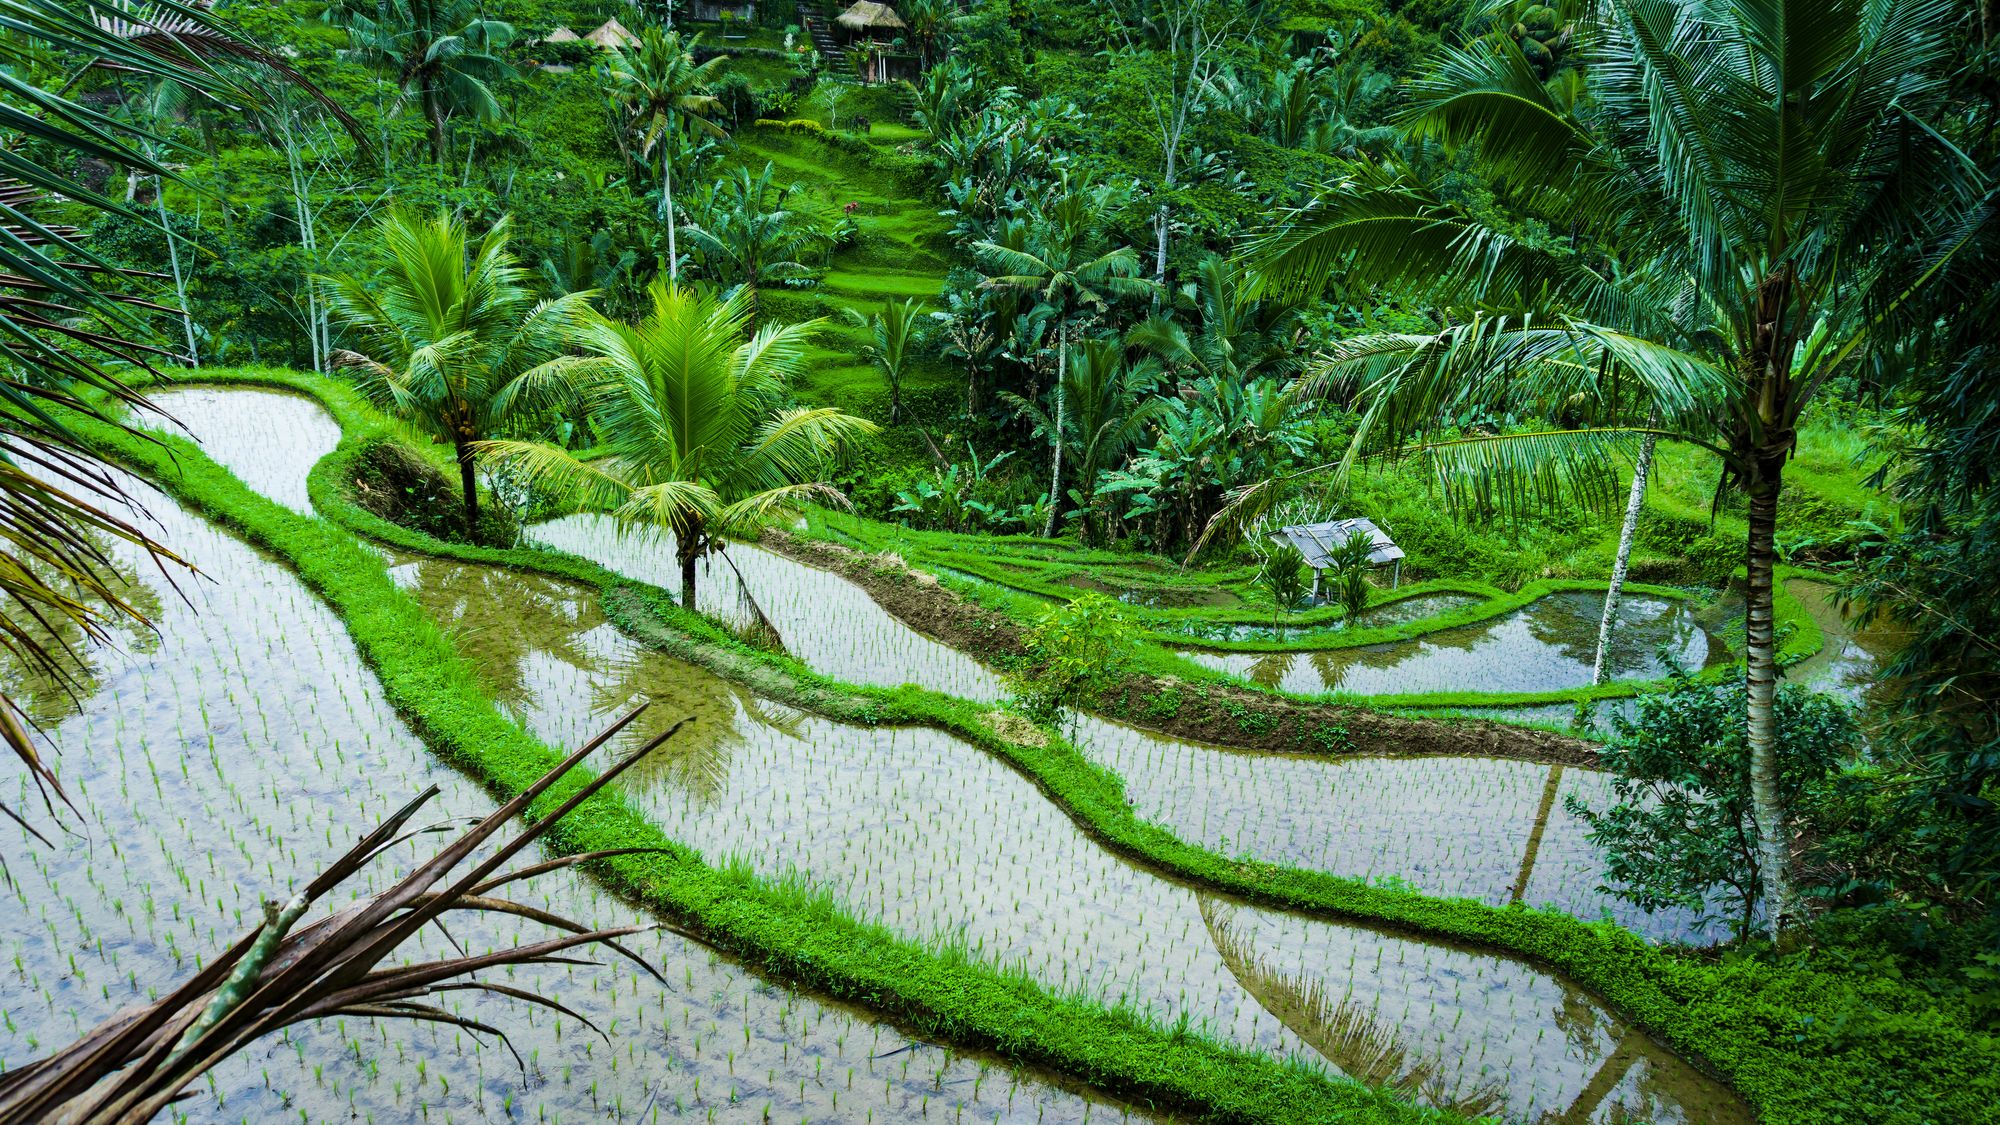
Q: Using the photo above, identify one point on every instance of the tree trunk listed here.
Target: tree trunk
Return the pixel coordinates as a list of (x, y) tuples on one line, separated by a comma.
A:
[(687, 548), (468, 480), (1055, 438), (180, 280), (440, 146), (667, 212), (1640, 468), (1773, 844)]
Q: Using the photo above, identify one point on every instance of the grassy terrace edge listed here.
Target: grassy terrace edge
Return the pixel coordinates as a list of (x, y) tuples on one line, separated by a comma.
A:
[(1022, 598), (1781, 1034), (792, 933)]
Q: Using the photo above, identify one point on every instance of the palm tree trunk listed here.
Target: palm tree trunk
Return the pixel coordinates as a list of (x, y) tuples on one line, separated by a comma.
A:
[(1640, 468), (687, 548), (667, 212), (468, 479), (1761, 642), (180, 280), (1055, 438)]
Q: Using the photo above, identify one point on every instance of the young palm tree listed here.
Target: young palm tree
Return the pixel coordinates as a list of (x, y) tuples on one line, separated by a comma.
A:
[(1064, 269), (662, 89), (748, 235), (1752, 188), (445, 55), (1109, 404), (453, 341), (896, 332), (693, 414)]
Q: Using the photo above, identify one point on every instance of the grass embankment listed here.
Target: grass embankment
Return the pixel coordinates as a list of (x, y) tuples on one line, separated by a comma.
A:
[(1803, 1044), (797, 935), (1018, 579)]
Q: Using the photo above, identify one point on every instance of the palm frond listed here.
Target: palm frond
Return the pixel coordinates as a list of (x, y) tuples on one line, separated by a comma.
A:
[(129, 1068)]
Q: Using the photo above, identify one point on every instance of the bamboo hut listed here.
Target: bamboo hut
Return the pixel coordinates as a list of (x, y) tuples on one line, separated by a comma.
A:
[(612, 35)]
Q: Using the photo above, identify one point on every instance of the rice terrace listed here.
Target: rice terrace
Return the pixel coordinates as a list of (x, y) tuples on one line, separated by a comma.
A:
[(979, 561)]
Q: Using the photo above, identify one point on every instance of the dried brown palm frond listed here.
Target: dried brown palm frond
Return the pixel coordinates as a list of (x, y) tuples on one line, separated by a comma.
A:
[(130, 1067), (1364, 1047)]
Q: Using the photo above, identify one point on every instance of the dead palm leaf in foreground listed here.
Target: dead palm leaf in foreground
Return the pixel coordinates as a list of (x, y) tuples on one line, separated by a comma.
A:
[(136, 1063)]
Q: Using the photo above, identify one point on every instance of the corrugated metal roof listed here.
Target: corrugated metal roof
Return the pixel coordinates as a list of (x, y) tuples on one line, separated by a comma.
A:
[(1318, 541)]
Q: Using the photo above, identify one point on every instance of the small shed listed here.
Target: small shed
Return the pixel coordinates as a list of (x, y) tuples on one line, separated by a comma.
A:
[(612, 35), (561, 35), (1318, 542)]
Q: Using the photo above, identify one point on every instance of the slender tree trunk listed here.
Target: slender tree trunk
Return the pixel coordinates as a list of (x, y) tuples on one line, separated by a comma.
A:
[(667, 212), (687, 548), (468, 479), (1640, 468), (1773, 837), (1055, 438), (174, 260)]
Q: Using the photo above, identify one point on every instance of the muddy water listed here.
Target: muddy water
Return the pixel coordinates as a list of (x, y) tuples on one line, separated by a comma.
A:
[(1547, 645), (1400, 612), (268, 439), (1484, 828), (824, 620), (1849, 657)]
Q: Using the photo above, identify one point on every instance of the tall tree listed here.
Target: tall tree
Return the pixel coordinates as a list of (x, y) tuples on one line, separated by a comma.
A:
[(693, 414), (1066, 268), (453, 341), (748, 235), (444, 54), (663, 91), (1758, 163), (1109, 405)]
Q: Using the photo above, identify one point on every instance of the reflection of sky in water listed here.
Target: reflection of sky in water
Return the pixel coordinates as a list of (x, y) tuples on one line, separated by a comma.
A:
[(270, 440), (1547, 645), (826, 621)]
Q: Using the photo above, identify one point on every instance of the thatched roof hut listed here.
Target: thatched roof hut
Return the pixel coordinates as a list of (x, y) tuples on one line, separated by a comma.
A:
[(561, 35), (611, 34), (866, 15)]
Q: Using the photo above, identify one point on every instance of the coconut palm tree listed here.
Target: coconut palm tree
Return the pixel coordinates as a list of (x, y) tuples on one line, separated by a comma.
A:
[(1109, 405), (445, 55), (894, 333), (663, 90), (748, 236), (452, 340), (1066, 268), (693, 414), (1752, 189)]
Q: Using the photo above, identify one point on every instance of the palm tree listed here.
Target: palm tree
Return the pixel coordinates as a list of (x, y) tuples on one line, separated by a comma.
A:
[(662, 89), (452, 339), (748, 235), (692, 414), (444, 54), (1752, 189), (1064, 269), (1109, 406), (896, 332)]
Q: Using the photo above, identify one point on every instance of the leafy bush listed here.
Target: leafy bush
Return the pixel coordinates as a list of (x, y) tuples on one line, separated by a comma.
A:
[(1074, 654)]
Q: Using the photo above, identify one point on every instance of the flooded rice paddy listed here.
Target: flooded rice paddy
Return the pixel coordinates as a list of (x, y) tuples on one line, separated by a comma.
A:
[(910, 828), (268, 439), (826, 621), (1491, 829), (1402, 611), (1545, 646)]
